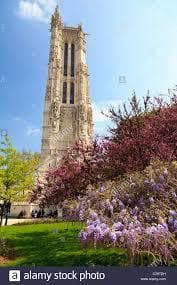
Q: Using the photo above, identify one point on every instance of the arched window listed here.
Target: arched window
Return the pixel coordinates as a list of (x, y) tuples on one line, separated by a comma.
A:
[(72, 59), (72, 93), (64, 92), (65, 59)]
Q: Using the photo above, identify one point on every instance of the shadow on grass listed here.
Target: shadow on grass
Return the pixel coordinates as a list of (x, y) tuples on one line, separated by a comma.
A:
[(56, 246)]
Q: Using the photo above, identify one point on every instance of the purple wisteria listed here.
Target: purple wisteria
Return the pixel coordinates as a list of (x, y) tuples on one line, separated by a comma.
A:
[(138, 213)]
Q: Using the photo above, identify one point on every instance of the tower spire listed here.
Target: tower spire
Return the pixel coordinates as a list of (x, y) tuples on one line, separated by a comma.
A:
[(57, 9)]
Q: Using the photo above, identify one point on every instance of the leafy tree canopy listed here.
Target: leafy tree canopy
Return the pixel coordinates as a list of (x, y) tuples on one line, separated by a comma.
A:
[(17, 172)]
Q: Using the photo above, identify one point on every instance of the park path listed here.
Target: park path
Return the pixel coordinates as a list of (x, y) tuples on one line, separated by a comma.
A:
[(16, 221)]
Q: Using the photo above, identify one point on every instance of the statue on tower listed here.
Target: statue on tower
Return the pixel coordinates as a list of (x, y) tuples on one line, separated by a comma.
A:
[(54, 115), (56, 18)]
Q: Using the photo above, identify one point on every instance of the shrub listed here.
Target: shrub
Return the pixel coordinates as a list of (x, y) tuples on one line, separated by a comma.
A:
[(137, 213), (140, 135), (39, 221)]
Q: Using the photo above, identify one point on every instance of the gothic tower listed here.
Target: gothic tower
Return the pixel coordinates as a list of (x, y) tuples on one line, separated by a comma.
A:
[(67, 115)]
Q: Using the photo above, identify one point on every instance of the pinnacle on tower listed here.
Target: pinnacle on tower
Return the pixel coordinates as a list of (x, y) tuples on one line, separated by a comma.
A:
[(57, 10), (56, 18)]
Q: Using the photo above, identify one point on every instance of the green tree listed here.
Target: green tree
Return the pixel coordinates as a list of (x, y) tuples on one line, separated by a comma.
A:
[(17, 175)]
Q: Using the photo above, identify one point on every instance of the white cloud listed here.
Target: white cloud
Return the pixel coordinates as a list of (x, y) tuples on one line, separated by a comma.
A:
[(33, 131), (104, 106), (102, 122), (97, 115), (39, 10)]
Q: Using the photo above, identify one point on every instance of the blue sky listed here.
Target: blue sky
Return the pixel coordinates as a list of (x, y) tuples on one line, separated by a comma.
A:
[(131, 38)]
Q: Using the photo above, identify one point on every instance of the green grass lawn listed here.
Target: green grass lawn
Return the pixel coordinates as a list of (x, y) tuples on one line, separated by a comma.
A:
[(55, 244)]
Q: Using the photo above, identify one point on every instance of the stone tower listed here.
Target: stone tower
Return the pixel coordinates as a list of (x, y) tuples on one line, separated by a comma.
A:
[(67, 115)]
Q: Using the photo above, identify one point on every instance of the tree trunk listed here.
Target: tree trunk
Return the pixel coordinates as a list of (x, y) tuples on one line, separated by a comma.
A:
[(6, 219), (2, 214), (7, 211)]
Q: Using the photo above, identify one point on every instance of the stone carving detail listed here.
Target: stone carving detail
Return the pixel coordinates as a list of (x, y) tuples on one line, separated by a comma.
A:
[(62, 116), (54, 115), (89, 115), (48, 93), (82, 118), (56, 19), (70, 36), (74, 121), (89, 119)]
